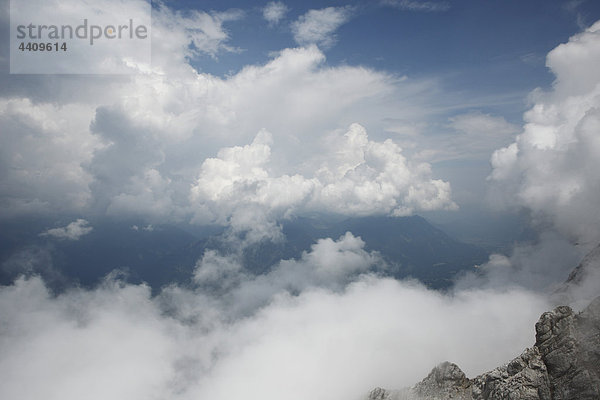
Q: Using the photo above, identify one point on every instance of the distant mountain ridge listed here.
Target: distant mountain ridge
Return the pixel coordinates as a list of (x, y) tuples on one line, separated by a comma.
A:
[(410, 245), (168, 254)]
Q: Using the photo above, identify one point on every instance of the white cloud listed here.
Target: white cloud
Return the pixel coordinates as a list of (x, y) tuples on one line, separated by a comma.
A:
[(74, 231), (42, 149), (550, 171), (217, 271), (207, 32), (356, 176), (330, 264), (377, 333), (305, 342), (551, 167), (134, 144), (275, 11), (319, 26), (82, 345), (204, 31), (418, 5), (364, 177)]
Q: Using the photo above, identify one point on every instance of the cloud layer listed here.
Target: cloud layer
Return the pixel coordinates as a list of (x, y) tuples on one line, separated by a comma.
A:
[(551, 167), (322, 330)]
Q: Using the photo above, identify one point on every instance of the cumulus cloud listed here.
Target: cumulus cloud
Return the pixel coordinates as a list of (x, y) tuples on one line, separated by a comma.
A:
[(365, 177), (274, 12), (418, 5), (549, 170), (134, 145), (357, 177), (551, 166), (319, 26), (74, 231)]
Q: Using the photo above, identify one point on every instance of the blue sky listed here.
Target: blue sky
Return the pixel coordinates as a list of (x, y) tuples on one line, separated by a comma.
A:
[(489, 48)]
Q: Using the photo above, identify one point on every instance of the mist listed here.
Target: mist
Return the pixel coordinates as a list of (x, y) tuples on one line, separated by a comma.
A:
[(120, 342)]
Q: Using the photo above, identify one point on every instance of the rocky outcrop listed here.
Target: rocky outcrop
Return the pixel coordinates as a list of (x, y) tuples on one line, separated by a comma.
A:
[(380, 394), (570, 348), (446, 381), (564, 364), (524, 378)]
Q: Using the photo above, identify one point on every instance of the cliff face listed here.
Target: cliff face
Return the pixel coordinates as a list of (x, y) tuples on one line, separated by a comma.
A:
[(564, 364), (524, 378), (570, 348)]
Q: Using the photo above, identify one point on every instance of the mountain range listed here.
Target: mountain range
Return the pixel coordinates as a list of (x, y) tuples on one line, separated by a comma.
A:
[(164, 254)]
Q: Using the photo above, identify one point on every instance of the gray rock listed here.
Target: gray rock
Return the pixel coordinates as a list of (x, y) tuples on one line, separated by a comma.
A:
[(564, 364), (446, 381), (524, 378), (569, 345), (379, 394), (382, 394)]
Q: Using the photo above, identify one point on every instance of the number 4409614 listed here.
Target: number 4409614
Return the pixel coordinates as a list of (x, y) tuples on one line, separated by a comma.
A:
[(34, 46)]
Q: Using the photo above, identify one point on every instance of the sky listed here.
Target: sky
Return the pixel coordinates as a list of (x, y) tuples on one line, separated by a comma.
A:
[(254, 113)]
